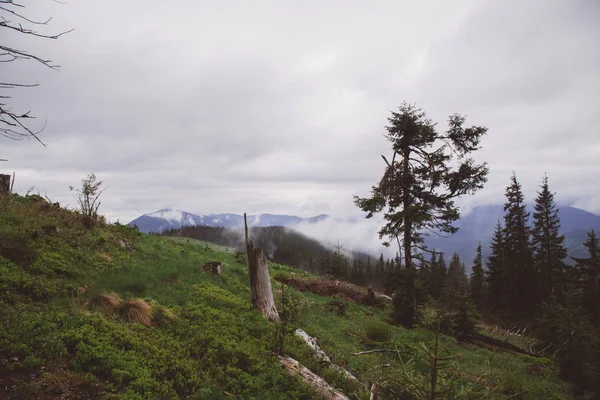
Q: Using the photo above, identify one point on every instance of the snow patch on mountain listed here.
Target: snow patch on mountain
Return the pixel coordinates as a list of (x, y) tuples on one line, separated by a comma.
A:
[(170, 214)]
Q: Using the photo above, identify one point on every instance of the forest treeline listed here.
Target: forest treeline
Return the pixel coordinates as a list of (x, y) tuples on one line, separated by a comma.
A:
[(526, 280)]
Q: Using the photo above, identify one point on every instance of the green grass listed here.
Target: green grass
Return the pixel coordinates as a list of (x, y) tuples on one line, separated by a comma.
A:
[(217, 348)]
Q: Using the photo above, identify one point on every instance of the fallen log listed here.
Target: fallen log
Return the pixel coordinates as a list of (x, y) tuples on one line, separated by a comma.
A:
[(373, 393), (320, 355), (315, 382), (479, 339)]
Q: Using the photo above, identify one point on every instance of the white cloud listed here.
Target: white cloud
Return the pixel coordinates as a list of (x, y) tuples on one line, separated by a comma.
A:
[(280, 107)]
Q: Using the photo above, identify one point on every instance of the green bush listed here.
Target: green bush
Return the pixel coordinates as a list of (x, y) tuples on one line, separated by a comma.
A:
[(377, 331)]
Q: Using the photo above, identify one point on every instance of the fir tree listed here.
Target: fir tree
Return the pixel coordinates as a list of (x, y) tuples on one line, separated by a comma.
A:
[(547, 243), (522, 283), (497, 273), (456, 283), (438, 277), (589, 277), (420, 183), (477, 287)]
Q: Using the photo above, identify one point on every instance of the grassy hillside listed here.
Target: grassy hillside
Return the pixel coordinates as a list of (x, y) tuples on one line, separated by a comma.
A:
[(111, 313)]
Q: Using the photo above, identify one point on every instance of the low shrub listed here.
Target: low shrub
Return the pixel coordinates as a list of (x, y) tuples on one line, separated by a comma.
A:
[(377, 331)]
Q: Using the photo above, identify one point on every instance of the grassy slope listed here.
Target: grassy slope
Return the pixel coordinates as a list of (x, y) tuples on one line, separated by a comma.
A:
[(54, 342)]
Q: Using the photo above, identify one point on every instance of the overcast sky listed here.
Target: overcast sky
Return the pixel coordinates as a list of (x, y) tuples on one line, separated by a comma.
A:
[(280, 106)]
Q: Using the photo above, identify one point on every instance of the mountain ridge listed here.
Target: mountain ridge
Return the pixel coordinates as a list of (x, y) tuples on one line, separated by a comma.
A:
[(474, 227)]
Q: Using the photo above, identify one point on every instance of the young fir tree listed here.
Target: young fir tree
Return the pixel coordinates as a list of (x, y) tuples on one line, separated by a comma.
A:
[(589, 277), (523, 295), (547, 244), (497, 273), (477, 287), (420, 183)]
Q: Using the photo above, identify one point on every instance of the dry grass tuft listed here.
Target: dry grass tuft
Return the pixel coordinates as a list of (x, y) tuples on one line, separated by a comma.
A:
[(105, 257), (138, 311), (108, 303)]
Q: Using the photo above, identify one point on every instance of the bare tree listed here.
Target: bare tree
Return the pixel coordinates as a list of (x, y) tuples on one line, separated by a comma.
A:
[(88, 199), (15, 124)]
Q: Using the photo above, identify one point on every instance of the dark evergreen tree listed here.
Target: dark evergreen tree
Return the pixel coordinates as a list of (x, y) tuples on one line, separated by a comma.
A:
[(588, 273), (419, 185), (523, 294), (457, 282), (438, 277), (339, 265), (424, 278), (497, 273), (547, 244), (360, 274), (477, 286)]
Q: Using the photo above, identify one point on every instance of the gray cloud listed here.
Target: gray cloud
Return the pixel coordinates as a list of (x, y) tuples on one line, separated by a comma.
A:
[(281, 107)]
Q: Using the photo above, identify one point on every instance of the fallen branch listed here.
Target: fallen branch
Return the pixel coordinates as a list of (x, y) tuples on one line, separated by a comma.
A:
[(362, 353), (320, 355), (316, 383), (373, 393), (478, 339)]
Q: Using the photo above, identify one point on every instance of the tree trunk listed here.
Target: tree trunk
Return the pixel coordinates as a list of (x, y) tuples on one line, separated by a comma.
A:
[(315, 382), (4, 185), (260, 283)]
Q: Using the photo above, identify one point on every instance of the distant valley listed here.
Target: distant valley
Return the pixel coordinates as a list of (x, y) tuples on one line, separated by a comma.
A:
[(475, 227)]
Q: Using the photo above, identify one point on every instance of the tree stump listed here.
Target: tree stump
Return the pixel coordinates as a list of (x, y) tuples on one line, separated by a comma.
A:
[(4, 185), (261, 292), (370, 296), (214, 267)]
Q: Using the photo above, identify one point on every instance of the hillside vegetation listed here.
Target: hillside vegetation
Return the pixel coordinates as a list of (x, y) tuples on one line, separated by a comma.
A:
[(111, 313)]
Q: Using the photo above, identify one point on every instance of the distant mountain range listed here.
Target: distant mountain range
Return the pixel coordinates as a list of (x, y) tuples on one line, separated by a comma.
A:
[(169, 218), (478, 226), (475, 227)]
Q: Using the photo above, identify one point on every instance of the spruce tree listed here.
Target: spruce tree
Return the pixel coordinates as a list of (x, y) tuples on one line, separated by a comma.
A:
[(522, 290), (497, 273), (477, 287), (547, 243), (420, 183), (589, 277), (456, 283), (438, 277)]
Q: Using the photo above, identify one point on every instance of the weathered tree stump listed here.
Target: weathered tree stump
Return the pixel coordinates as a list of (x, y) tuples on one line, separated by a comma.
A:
[(261, 292), (4, 185), (370, 296), (50, 229), (214, 267)]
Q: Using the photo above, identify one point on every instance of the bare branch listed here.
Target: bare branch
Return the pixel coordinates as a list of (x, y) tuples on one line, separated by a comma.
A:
[(362, 353)]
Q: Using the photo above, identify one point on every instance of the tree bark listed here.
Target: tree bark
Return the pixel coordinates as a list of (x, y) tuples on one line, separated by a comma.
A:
[(320, 355), (261, 292), (4, 185), (373, 393), (316, 383)]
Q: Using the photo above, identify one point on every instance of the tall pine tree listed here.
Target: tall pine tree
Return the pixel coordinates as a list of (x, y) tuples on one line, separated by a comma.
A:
[(523, 291), (477, 287), (456, 284), (589, 277), (547, 243), (428, 170), (497, 273)]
